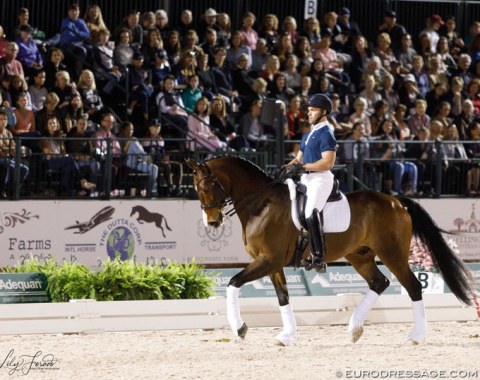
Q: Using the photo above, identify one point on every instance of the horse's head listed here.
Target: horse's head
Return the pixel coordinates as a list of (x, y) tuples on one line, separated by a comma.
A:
[(211, 193)]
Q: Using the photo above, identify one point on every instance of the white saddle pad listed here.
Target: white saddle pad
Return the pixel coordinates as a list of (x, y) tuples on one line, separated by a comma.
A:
[(336, 215)]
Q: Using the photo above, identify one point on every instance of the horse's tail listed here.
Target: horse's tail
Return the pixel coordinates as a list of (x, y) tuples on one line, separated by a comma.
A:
[(452, 268)]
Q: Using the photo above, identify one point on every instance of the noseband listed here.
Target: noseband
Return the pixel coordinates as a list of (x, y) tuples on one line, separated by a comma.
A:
[(221, 198)]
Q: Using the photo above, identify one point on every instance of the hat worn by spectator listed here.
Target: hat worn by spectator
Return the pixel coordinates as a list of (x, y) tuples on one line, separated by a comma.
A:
[(210, 12), (392, 14), (409, 78), (137, 55), (437, 19), (344, 11), (26, 28)]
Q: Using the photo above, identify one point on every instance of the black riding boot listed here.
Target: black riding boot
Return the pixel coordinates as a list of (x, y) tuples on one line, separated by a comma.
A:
[(317, 241)]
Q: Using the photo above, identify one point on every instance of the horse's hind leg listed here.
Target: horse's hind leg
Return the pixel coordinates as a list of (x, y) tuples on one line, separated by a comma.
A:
[(260, 267), (377, 283), (403, 273), (285, 337)]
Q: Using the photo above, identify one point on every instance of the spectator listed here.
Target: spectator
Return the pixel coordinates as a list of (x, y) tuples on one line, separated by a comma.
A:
[(191, 43), (384, 51), (456, 95), (388, 92), (317, 73), (73, 34), (79, 147), (311, 30), (242, 79), (131, 23), (278, 89), (49, 110), (9, 63), (200, 136), (393, 167), (223, 128), (370, 93), (252, 128), (295, 118), (25, 126), (37, 35), (260, 56), (57, 159), (160, 69), (172, 171), (152, 43), (185, 68), (454, 151), (360, 115), (105, 141), (140, 81), (463, 69), (236, 50), (18, 85), (436, 72), (191, 94), (455, 42), (123, 51), (349, 29), (94, 19), (250, 36), (303, 52), (293, 77), (209, 20), (441, 115), (64, 89), (28, 53), (7, 153), (74, 111), (409, 93), (420, 76), (223, 79), (289, 27), (400, 121), (135, 158), (52, 66), (360, 57), (206, 77), (38, 92), (92, 102), (173, 48), (419, 119), (473, 151), (147, 22), (269, 30), (473, 92), (434, 23), (225, 28), (394, 30), (161, 23), (3, 43), (171, 109), (104, 67), (380, 113), (210, 45), (465, 120), (446, 58), (406, 54), (185, 24), (283, 48), (434, 97)]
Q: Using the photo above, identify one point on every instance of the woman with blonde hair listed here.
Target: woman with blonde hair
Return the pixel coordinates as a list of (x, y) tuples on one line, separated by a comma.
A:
[(92, 101), (269, 30), (289, 26), (94, 19)]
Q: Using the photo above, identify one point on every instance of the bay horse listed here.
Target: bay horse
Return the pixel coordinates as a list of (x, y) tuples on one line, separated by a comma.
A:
[(381, 226)]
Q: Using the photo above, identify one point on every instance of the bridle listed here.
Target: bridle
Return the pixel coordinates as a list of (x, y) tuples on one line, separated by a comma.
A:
[(221, 197)]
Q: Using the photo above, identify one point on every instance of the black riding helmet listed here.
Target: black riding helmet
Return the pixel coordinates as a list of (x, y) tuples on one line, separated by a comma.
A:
[(321, 101)]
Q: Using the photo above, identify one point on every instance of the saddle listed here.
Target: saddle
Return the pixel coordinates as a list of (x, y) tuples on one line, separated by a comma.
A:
[(301, 199)]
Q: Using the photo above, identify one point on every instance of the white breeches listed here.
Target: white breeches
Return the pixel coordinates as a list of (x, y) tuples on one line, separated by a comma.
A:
[(319, 186)]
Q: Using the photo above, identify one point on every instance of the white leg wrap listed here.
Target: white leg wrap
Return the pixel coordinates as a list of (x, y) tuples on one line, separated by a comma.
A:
[(285, 337), (233, 309), (355, 326), (420, 325)]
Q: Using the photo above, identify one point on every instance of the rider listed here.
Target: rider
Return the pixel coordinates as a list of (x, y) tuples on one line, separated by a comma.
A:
[(314, 161)]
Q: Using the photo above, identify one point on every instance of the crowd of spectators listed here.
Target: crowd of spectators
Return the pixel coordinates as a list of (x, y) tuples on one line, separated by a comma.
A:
[(207, 85)]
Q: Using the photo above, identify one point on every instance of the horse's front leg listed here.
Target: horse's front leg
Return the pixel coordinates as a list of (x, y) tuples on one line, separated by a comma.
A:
[(285, 337), (259, 268)]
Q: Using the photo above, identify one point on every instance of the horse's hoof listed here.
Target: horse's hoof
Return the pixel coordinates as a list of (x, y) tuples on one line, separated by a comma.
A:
[(242, 331), (357, 334), (417, 337), (283, 339)]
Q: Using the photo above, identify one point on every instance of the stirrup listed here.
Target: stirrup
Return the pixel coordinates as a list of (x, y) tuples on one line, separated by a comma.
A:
[(315, 262)]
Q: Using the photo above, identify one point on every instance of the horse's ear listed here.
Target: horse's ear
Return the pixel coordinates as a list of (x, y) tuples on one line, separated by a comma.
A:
[(192, 164)]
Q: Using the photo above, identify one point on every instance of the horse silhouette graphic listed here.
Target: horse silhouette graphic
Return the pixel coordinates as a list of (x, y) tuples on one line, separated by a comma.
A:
[(100, 217), (150, 217)]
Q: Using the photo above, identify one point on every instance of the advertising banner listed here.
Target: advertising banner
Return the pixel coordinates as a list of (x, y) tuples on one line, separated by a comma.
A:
[(89, 232)]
